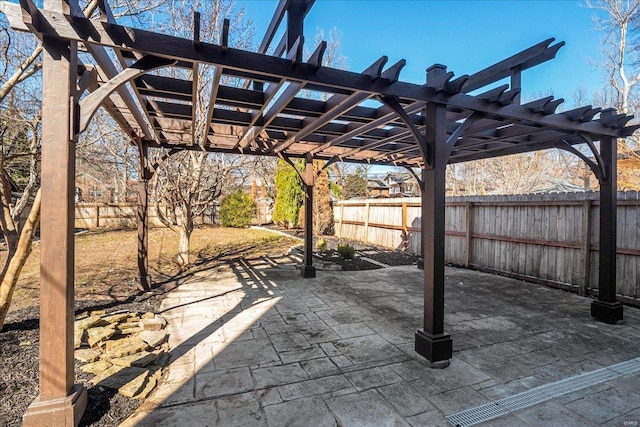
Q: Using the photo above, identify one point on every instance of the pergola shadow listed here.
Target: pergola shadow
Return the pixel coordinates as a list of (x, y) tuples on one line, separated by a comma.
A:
[(339, 347)]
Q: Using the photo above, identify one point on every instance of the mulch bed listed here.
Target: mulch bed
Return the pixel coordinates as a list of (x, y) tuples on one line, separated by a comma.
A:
[(385, 256), (20, 338), (19, 343)]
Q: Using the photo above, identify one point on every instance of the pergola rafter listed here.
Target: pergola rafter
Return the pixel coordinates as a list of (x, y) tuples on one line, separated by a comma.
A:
[(283, 105)]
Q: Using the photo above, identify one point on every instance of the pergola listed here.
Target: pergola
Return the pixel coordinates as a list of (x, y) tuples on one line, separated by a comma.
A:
[(256, 107)]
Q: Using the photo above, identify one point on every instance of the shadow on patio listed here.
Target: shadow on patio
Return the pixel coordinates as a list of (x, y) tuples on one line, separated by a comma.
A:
[(253, 344)]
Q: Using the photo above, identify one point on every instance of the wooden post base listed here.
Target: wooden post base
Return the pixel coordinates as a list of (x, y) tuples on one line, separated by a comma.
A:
[(434, 348), (65, 412), (607, 312), (308, 271)]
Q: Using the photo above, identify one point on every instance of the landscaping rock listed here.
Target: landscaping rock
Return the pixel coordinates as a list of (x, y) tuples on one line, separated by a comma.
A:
[(116, 317), (96, 367), (126, 343), (152, 381), (116, 377), (154, 338), (125, 347), (140, 360), (136, 385), (96, 336), (87, 355), (155, 324), (90, 322), (78, 336)]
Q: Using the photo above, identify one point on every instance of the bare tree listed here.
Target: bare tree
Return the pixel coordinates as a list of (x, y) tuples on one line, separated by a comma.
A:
[(187, 185), (188, 182), (20, 95), (619, 20)]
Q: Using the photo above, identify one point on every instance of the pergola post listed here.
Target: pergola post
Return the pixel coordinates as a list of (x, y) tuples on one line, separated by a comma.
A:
[(431, 341), (144, 175), (308, 270), (420, 262), (60, 402), (606, 308)]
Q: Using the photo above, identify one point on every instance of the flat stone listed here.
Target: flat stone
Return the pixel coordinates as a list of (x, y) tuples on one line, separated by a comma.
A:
[(152, 381), (116, 317), (163, 358), (98, 312), (89, 322), (96, 367), (155, 324), (130, 331), (303, 412), (148, 315), (99, 335), (125, 346), (87, 355), (135, 386), (153, 338), (140, 360), (117, 376), (78, 336)]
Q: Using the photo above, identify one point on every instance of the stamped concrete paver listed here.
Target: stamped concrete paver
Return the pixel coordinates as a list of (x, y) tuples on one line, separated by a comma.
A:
[(255, 345), (302, 412)]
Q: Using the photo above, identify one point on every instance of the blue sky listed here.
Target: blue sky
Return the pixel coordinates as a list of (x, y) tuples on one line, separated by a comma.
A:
[(466, 36)]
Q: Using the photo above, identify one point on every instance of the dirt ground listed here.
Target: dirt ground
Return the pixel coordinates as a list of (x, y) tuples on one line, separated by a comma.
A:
[(105, 271)]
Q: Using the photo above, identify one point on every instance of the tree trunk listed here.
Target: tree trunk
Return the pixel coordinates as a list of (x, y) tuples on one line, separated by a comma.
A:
[(10, 278), (183, 246)]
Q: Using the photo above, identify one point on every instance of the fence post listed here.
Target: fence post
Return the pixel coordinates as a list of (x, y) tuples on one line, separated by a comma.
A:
[(341, 217), (366, 221), (468, 234), (586, 247), (97, 215), (405, 231)]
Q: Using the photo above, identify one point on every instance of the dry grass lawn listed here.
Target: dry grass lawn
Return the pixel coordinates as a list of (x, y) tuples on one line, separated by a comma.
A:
[(106, 266)]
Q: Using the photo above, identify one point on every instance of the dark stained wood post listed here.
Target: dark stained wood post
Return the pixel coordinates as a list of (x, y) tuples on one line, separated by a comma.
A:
[(60, 402), (308, 270), (606, 308), (431, 341), (295, 22), (144, 175), (420, 262)]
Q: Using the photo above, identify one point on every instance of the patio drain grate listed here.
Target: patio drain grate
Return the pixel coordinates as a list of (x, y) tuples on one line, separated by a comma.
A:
[(537, 395)]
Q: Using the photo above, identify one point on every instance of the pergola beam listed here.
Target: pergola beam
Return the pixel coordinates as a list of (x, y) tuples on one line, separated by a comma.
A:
[(126, 38)]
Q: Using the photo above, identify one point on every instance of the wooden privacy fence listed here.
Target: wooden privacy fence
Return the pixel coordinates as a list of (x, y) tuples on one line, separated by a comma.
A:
[(123, 215), (546, 238)]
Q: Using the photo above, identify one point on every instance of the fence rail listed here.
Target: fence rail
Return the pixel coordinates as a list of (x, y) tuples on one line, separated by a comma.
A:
[(550, 239), (123, 215)]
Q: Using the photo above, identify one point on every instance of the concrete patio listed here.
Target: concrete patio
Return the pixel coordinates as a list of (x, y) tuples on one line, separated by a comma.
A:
[(254, 344)]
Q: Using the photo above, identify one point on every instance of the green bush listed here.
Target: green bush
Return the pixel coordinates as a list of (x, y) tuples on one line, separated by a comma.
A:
[(346, 250), (321, 245), (237, 210)]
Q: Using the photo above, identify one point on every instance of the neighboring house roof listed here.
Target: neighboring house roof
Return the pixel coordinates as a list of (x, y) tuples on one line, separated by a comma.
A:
[(377, 184)]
